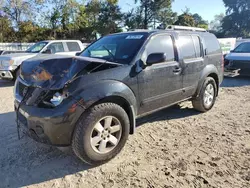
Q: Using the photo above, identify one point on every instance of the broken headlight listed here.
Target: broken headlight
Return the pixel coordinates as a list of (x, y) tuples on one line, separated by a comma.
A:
[(57, 99)]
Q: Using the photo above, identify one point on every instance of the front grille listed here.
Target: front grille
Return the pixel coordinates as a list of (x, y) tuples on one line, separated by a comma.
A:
[(21, 90)]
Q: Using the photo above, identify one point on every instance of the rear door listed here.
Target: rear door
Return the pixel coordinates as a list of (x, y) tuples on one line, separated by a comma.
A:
[(192, 56), (160, 84)]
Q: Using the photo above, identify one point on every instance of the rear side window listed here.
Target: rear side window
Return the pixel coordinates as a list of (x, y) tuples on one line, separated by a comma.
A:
[(185, 42), (73, 46), (212, 44), (56, 47), (197, 45), (161, 44)]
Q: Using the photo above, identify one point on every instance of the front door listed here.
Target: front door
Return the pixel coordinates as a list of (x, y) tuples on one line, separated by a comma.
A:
[(160, 84)]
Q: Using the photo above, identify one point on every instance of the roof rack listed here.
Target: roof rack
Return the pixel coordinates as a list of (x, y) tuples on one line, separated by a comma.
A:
[(185, 28)]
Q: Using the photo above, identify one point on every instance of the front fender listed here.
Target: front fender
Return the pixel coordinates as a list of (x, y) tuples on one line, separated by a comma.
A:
[(208, 70), (106, 88)]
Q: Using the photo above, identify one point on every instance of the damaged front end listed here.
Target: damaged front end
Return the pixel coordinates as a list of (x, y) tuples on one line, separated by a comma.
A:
[(46, 79), (44, 105)]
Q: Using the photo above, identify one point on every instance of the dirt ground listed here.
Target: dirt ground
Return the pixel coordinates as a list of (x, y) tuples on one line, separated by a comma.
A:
[(173, 148)]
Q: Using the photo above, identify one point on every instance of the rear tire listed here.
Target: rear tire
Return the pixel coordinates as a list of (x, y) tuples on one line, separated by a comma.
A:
[(207, 97), (100, 133)]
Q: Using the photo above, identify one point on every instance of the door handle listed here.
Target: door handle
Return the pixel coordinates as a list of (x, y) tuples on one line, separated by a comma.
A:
[(177, 69)]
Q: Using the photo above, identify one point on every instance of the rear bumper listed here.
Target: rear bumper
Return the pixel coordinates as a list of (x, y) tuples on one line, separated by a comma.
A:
[(6, 74), (49, 126)]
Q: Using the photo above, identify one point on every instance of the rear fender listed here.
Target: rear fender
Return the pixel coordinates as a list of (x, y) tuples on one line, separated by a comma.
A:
[(209, 70)]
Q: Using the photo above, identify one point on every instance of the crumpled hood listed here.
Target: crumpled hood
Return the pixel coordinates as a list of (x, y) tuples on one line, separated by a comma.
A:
[(238, 56), (54, 71)]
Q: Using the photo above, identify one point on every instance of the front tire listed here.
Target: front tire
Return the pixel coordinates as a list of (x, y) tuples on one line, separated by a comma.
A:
[(101, 133), (206, 100)]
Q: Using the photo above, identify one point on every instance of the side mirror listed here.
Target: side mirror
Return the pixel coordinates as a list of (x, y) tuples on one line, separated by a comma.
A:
[(156, 58), (78, 53), (231, 51), (47, 51)]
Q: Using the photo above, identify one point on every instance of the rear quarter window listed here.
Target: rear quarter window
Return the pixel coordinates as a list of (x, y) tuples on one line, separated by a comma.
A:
[(212, 44), (73, 46)]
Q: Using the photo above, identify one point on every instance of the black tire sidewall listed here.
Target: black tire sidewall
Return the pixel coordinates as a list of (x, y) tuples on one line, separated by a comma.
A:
[(85, 125), (208, 81)]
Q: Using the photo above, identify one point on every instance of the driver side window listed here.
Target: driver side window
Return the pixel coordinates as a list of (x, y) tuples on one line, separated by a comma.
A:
[(56, 47), (161, 44)]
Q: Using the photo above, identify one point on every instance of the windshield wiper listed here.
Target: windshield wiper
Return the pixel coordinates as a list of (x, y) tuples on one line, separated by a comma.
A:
[(113, 56)]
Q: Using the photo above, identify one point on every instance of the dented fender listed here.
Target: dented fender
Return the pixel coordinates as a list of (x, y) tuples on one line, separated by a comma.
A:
[(108, 89)]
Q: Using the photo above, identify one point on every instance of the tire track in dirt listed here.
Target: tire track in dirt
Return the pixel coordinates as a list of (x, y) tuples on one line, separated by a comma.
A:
[(175, 147)]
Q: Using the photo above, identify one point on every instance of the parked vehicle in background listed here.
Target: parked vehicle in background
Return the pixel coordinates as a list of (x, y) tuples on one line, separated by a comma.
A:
[(237, 62), (5, 52), (91, 101), (10, 64), (227, 44)]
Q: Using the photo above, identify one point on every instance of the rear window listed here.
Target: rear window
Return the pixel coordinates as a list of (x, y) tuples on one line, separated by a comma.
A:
[(73, 46), (185, 42), (212, 44)]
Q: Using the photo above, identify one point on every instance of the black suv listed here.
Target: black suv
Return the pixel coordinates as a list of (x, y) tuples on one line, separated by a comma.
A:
[(91, 101)]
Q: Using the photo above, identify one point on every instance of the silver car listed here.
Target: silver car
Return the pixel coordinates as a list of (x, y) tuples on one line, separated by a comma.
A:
[(9, 64)]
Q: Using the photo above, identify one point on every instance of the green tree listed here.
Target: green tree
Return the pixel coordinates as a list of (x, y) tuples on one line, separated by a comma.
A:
[(152, 9), (110, 17), (236, 23), (167, 17), (185, 19), (133, 19), (215, 26), (7, 33), (21, 10), (199, 21)]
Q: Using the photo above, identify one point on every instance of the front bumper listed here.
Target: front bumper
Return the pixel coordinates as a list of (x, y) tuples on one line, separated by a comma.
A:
[(6, 74), (231, 72), (50, 126)]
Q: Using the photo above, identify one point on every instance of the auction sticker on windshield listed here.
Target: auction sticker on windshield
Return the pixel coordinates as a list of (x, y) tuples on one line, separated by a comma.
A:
[(134, 37)]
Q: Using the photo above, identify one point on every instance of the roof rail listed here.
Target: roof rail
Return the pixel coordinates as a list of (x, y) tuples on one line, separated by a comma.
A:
[(185, 28), (137, 29)]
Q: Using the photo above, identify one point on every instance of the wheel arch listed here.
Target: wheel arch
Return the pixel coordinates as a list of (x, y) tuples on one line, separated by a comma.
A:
[(129, 109), (110, 91), (208, 71)]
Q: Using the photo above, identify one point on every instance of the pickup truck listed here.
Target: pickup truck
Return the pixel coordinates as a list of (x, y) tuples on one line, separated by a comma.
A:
[(10, 64), (5, 52)]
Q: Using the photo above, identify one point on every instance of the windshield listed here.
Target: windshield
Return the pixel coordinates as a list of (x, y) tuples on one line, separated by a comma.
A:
[(243, 48), (36, 48), (120, 48)]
